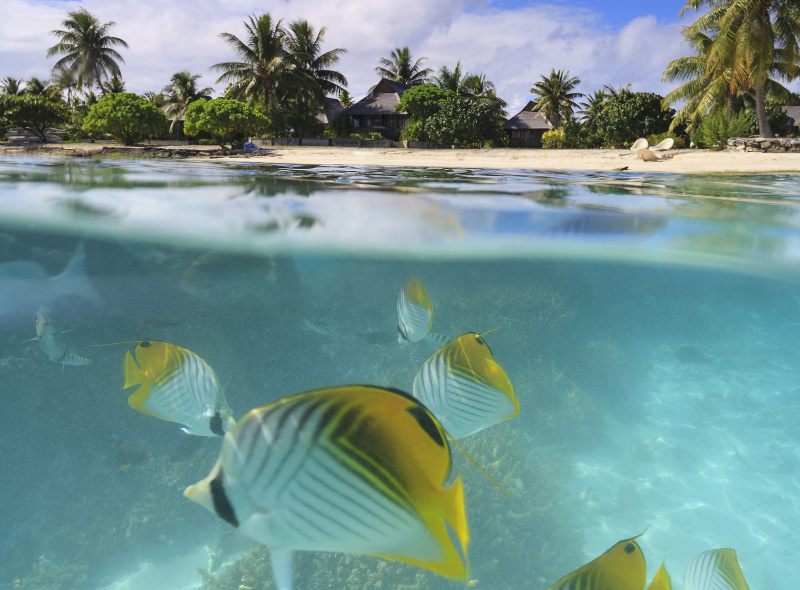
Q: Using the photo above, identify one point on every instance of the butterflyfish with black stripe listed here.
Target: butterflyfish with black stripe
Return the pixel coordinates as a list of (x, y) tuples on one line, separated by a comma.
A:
[(463, 386), (717, 569), (414, 311), (620, 568), (352, 469), (178, 386)]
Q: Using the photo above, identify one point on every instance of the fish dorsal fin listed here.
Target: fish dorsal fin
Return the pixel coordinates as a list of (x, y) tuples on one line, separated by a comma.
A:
[(661, 580), (622, 568), (479, 466), (416, 292)]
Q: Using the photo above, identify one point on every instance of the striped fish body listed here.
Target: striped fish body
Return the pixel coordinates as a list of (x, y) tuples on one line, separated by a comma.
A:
[(717, 569), (178, 386), (620, 568), (52, 343), (465, 388), (414, 311), (354, 469)]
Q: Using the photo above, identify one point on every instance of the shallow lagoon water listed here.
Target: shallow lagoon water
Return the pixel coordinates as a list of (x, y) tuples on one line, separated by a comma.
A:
[(648, 323)]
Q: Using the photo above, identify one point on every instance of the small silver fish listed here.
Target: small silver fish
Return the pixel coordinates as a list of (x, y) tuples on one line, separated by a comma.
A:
[(51, 341)]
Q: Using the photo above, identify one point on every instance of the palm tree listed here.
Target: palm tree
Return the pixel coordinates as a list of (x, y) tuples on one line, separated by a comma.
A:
[(113, 86), (346, 100), (454, 79), (157, 98), (610, 90), (87, 49), (64, 81), (180, 93), (400, 68), (37, 87), (12, 86), (755, 39), (483, 90), (592, 107), (312, 67), (555, 96), (264, 64)]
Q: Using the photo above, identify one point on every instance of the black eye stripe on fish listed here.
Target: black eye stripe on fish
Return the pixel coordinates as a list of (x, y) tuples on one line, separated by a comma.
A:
[(215, 424), (629, 548), (144, 344), (222, 505), (427, 424)]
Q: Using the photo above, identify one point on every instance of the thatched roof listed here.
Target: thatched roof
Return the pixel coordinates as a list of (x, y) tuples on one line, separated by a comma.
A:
[(528, 118), (334, 108), (381, 101)]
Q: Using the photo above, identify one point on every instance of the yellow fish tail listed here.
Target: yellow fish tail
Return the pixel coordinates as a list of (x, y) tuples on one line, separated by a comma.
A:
[(455, 563)]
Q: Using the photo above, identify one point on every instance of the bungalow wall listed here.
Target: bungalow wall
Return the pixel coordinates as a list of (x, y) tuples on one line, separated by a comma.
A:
[(525, 137), (389, 126)]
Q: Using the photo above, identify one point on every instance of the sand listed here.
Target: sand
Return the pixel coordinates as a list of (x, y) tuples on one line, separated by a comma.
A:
[(678, 162)]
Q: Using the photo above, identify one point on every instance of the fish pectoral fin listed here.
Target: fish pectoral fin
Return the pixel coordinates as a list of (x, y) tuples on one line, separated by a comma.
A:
[(282, 568)]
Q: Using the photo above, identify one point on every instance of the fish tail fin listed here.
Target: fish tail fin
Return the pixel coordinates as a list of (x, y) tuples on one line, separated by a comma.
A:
[(455, 513), (73, 280)]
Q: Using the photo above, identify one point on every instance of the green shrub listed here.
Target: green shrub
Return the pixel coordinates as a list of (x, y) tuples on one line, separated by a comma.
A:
[(124, 116), (228, 121), (717, 127), (657, 138), (35, 114), (340, 126), (553, 139), (778, 121), (205, 141), (630, 115), (414, 130)]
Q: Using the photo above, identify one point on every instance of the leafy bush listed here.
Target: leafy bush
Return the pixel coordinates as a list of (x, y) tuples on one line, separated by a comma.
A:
[(33, 113), (553, 139), (124, 116), (778, 121), (226, 120), (423, 101), (205, 141), (716, 128), (414, 130), (629, 115), (657, 138), (463, 121), (340, 126)]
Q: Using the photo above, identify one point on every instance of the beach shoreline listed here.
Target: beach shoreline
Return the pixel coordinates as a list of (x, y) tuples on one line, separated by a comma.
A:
[(544, 160)]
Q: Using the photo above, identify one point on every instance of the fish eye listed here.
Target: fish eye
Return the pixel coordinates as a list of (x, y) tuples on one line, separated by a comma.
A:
[(144, 344), (629, 548), (480, 341)]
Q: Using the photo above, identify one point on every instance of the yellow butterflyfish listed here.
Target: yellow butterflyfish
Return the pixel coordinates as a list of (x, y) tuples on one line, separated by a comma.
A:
[(414, 311), (353, 469), (717, 569), (465, 388), (177, 385)]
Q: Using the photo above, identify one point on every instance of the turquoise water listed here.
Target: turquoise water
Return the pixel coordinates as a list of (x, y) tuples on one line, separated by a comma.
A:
[(648, 323)]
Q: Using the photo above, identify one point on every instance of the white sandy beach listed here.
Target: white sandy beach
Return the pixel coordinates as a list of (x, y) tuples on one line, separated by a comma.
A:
[(679, 161)]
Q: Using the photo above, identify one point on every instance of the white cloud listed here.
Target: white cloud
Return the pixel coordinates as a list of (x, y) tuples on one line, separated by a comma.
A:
[(512, 47)]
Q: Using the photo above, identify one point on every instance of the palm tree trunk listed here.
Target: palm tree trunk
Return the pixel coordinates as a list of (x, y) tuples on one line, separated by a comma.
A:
[(764, 130), (730, 101)]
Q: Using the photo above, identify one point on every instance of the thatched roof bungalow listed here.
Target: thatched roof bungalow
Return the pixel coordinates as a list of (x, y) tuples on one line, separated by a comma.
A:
[(375, 112), (525, 129)]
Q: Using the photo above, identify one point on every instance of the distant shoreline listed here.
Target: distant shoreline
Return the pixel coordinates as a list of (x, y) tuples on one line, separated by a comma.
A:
[(680, 162)]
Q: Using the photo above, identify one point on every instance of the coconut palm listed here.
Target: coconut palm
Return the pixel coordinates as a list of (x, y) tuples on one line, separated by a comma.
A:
[(592, 107), (555, 96), (755, 39), (64, 82), (345, 99), (180, 93), (264, 61), (87, 49), (312, 66), (37, 87), (12, 86), (610, 90), (454, 79), (483, 90), (401, 68), (157, 98), (113, 86)]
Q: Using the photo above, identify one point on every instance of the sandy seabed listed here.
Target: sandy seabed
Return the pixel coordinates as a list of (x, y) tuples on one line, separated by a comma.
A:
[(676, 161)]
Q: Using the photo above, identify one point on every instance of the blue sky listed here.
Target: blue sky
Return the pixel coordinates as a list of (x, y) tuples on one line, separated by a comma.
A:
[(513, 42)]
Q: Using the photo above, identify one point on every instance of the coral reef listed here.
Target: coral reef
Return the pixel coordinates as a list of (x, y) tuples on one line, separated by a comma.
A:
[(45, 575)]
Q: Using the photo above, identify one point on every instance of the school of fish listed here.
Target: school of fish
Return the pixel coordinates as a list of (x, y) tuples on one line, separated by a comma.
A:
[(353, 468)]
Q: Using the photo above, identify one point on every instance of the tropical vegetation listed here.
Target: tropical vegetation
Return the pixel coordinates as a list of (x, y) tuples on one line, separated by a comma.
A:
[(744, 54)]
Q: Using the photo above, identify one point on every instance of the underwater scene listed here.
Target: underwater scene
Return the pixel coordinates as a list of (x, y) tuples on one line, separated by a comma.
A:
[(243, 376)]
